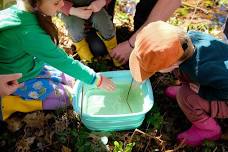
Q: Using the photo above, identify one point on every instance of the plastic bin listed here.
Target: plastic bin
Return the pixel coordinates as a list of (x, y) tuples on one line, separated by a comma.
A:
[(111, 115)]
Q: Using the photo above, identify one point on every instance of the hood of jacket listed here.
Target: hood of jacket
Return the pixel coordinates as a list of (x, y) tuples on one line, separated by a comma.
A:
[(13, 17)]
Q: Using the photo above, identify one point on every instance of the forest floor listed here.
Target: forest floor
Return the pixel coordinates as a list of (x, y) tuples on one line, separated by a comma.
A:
[(62, 130)]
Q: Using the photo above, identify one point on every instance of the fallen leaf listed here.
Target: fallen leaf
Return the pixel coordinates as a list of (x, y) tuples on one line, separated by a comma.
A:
[(23, 145), (65, 149), (14, 124)]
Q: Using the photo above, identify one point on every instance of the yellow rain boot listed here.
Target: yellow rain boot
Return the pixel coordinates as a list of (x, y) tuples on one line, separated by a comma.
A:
[(83, 50), (11, 104), (111, 44)]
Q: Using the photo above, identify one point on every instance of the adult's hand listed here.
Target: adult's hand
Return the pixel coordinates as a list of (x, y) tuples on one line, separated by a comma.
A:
[(9, 84), (97, 5), (81, 12), (161, 11), (122, 52)]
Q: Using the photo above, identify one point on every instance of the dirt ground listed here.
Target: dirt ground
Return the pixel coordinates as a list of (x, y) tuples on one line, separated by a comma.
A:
[(62, 130)]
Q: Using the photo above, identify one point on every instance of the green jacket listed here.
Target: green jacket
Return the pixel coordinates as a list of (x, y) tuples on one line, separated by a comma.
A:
[(25, 48)]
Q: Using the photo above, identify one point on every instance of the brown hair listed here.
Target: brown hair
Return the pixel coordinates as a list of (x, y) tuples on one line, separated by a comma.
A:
[(45, 22)]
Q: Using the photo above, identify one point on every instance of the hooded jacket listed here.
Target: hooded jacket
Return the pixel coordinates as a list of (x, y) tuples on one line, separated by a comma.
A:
[(25, 48), (208, 66)]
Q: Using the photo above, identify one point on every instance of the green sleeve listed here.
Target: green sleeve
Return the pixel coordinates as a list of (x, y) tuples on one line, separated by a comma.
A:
[(42, 47)]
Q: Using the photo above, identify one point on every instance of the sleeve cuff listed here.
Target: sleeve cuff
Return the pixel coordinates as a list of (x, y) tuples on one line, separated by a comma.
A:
[(96, 79)]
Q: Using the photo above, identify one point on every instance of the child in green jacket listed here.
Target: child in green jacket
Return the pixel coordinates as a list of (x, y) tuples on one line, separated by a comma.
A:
[(28, 44)]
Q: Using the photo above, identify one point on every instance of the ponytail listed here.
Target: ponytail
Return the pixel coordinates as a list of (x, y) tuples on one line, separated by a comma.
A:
[(48, 26), (46, 23)]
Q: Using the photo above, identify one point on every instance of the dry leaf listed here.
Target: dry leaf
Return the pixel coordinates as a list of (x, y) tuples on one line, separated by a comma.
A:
[(65, 149), (23, 145), (36, 119), (14, 124)]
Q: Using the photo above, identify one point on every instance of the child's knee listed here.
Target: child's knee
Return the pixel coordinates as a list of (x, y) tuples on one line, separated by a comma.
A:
[(68, 80), (61, 97), (107, 31)]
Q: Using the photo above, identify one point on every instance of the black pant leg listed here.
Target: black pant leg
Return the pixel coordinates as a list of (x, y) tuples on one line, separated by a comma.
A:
[(143, 9), (111, 7)]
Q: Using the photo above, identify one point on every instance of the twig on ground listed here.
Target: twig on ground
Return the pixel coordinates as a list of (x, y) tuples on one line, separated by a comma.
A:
[(157, 139), (196, 7), (180, 146), (215, 149), (45, 146), (147, 145)]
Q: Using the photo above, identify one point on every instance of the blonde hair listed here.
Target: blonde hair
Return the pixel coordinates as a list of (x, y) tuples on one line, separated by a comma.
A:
[(186, 44)]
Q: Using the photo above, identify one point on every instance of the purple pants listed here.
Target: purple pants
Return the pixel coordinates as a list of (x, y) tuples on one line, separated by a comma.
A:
[(196, 108), (61, 96)]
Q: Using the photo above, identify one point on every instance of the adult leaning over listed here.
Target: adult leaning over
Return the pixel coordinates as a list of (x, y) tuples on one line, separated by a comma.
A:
[(147, 11)]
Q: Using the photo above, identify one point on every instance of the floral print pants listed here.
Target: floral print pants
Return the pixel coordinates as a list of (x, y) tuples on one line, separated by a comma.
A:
[(51, 86)]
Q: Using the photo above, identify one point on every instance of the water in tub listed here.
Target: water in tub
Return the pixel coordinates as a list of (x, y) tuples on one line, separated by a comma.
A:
[(101, 102)]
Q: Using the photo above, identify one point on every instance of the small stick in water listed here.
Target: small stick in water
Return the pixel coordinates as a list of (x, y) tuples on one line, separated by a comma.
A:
[(82, 102), (128, 95)]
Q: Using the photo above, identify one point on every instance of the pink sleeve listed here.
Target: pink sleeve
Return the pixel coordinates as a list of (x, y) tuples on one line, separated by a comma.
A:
[(66, 8)]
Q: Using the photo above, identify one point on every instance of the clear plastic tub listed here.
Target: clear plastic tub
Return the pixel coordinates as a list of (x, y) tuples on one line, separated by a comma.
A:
[(108, 111)]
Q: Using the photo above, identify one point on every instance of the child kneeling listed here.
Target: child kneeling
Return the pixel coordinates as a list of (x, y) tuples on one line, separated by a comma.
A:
[(202, 61)]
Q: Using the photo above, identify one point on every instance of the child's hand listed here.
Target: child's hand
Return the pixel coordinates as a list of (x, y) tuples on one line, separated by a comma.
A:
[(97, 5), (105, 83), (81, 12), (194, 87)]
